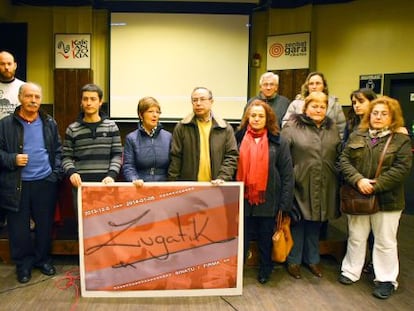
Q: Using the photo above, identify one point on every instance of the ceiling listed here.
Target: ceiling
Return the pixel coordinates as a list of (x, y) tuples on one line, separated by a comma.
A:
[(218, 6)]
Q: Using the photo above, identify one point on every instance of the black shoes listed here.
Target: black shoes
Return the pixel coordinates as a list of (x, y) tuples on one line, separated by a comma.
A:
[(47, 269), (383, 290), (263, 279), (345, 280), (24, 276)]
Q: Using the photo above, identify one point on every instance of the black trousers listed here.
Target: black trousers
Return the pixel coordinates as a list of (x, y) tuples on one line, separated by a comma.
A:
[(38, 201), (260, 229)]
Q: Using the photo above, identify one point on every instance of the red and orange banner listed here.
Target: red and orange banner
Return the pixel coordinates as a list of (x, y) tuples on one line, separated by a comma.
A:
[(163, 239)]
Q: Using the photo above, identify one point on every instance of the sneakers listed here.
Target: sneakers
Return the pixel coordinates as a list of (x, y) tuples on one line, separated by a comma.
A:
[(383, 290), (345, 280)]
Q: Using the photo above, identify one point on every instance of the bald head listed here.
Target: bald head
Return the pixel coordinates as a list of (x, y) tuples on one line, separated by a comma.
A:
[(8, 67)]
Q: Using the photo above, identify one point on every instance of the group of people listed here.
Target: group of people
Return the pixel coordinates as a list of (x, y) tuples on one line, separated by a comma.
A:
[(291, 156)]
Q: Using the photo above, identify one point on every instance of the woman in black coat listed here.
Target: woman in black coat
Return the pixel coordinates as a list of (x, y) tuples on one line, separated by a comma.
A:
[(265, 167)]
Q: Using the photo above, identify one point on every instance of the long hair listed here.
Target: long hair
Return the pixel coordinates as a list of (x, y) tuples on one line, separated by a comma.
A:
[(305, 89), (271, 123), (353, 119), (397, 119)]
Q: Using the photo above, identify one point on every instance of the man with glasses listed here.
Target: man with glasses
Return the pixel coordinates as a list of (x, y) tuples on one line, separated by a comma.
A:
[(269, 85), (203, 145)]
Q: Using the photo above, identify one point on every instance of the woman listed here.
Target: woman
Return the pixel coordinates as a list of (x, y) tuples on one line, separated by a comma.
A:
[(314, 144), (316, 82), (358, 163), (265, 167), (360, 100), (146, 151)]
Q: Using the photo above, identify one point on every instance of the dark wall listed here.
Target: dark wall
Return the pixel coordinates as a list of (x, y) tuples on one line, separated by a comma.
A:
[(14, 40)]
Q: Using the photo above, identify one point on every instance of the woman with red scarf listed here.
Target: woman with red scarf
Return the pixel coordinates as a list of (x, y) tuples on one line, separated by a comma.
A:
[(265, 167)]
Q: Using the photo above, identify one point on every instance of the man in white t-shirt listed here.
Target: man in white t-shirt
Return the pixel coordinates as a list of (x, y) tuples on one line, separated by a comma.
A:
[(9, 84)]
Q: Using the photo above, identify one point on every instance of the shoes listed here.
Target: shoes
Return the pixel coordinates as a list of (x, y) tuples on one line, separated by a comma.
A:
[(368, 268), (345, 280), (315, 269), (263, 279), (47, 269), (294, 270), (383, 290), (24, 276)]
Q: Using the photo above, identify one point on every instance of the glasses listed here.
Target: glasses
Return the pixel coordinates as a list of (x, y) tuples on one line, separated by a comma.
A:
[(269, 84), (201, 99), (380, 114)]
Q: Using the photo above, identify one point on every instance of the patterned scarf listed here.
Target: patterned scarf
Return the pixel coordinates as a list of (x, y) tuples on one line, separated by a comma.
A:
[(253, 165), (377, 134)]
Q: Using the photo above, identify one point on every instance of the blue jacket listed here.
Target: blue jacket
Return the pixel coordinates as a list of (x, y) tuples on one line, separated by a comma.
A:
[(147, 157), (11, 143)]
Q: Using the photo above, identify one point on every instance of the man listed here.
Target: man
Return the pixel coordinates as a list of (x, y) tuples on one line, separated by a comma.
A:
[(269, 85), (9, 84), (203, 145), (30, 161), (92, 149), (9, 88)]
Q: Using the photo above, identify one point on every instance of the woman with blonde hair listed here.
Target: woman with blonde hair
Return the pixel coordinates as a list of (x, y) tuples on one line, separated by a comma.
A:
[(316, 82), (358, 163), (314, 145), (147, 149)]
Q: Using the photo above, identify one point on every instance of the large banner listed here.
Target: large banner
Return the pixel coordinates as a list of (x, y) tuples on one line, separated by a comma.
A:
[(163, 239), (288, 51)]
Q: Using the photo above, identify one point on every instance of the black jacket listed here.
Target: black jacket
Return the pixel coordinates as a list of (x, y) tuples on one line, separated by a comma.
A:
[(280, 180), (11, 143)]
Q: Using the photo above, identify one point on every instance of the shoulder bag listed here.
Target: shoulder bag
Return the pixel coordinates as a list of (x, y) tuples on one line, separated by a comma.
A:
[(355, 203), (282, 238)]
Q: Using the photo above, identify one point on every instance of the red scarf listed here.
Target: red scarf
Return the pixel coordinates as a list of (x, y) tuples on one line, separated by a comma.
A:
[(253, 165)]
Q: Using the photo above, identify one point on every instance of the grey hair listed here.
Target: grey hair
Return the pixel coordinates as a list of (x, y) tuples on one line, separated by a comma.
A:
[(269, 74)]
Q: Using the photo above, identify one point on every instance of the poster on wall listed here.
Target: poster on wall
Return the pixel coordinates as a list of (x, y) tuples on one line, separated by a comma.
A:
[(73, 51), (290, 51), (371, 81), (162, 239)]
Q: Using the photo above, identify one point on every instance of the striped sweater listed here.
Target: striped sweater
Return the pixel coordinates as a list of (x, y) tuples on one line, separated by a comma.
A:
[(93, 150)]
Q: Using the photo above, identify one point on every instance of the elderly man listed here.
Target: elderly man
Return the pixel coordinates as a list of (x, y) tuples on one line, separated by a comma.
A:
[(269, 85), (30, 161)]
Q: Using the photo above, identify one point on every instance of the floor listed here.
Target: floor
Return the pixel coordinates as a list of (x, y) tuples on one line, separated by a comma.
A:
[(282, 292)]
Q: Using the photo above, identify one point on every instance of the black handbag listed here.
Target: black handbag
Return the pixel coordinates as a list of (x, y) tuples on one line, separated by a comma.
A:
[(355, 203)]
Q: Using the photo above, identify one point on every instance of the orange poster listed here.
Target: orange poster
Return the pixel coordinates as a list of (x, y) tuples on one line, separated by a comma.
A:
[(163, 239)]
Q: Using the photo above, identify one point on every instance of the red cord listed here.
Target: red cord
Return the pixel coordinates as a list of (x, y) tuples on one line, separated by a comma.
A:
[(70, 280)]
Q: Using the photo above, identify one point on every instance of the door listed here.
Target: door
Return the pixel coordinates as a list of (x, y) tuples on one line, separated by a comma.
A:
[(401, 87)]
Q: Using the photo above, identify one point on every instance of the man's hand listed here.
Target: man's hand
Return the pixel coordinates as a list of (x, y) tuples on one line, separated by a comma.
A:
[(76, 180)]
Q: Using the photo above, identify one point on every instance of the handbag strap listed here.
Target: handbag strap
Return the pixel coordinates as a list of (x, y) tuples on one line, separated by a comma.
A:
[(378, 171), (279, 218)]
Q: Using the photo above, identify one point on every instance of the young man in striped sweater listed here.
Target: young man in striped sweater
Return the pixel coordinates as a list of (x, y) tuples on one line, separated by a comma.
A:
[(92, 149)]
